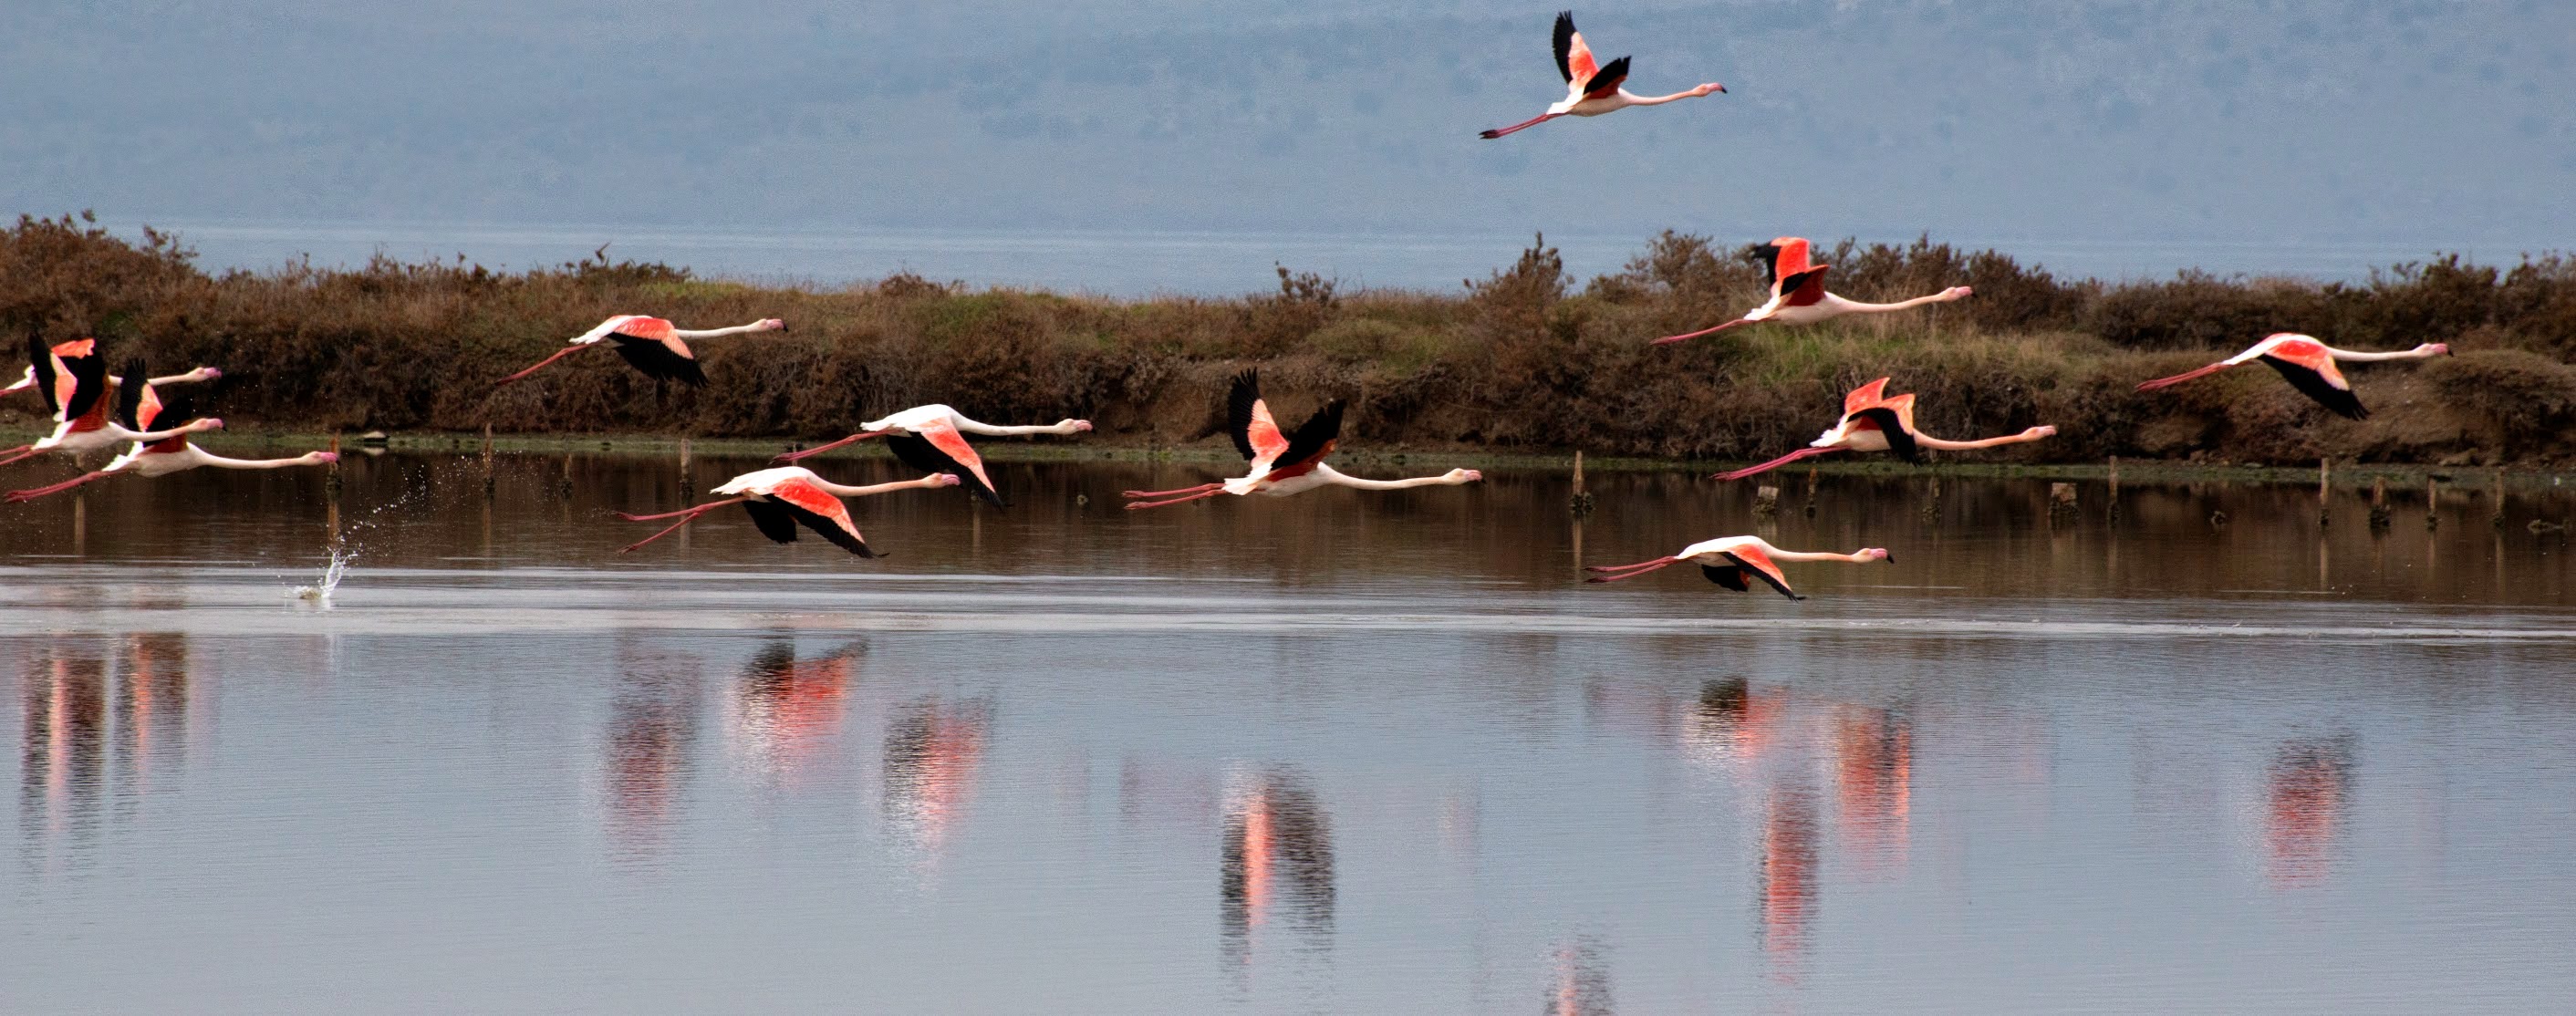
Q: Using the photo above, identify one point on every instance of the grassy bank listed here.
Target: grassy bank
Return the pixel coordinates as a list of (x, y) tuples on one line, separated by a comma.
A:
[(1524, 360)]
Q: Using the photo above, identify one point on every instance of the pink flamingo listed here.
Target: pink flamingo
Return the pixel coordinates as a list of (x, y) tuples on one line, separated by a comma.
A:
[(136, 407), (1873, 422), (2309, 366), (1729, 561), (1798, 294), (932, 439), (651, 345), (1284, 464), (82, 347), (83, 414), (780, 498), (1592, 90)]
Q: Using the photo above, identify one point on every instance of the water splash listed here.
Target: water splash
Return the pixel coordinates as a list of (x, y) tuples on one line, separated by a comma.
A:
[(332, 573)]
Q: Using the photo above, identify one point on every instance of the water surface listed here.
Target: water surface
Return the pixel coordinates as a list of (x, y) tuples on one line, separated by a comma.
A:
[(1343, 752)]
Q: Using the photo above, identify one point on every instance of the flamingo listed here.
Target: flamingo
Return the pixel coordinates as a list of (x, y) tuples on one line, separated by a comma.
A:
[(136, 407), (82, 347), (651, 345), (1591, 90), (1873, 422), (933, 438), (780, 498), (2309, 366), (83, 413), (1798, 294), (1284, 464), (1731, 560)]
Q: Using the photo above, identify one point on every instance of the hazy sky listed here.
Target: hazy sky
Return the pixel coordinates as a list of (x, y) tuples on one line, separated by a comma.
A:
[(2431, 122)]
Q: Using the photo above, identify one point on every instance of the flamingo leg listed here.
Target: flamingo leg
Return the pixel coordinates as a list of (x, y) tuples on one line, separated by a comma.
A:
[(1628, 571), (23, 453), (2166, 382), (1518, 127), (541, 364), (1169, 493), (20, 496), (686, 515), (1669, 339), (820, 449), (1216, 489), (1801, 453)]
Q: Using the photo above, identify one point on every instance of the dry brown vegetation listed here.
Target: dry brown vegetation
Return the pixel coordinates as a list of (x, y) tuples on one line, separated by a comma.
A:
[(1525, 358)]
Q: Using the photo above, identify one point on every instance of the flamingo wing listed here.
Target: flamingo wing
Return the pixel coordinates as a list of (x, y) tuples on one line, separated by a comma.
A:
[(820, 512), (1785, 255), (937, 447), (1865, 396), (773, 520), (89, 391), (1606, 82), (652, 346), (129, 396), (1731, 576), (1769, 255), (1804, 288), (1248, 420), (1753, 560), (2325, 385), (1573, 55), (41, 367), (1313, 440), (1891, 423)]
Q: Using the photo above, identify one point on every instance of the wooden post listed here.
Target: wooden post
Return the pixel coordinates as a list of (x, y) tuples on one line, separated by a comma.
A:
[(1811, 492), (2325, 487), (2379, 503), (2432, 503), (1766, 501), (1581, 503), (2115, 488), (685, 488), (487, 461), (2497, 485)]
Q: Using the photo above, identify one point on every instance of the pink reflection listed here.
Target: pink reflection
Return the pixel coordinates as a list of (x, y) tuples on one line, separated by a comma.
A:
[(1873, 782), (931, 754), (1277, 860), (2307, 794), (1791, 851), (790, 710)]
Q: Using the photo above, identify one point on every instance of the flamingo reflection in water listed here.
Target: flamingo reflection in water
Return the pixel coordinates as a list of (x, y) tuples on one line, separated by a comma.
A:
[(1873, 783), (1582, 985), (652, 733), (95, 729), (1791, 862), (932, 752), (2306, 796), (1277, 861), (786, 711)]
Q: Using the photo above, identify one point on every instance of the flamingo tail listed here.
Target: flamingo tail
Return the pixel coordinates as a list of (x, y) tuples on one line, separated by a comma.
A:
[(1801, 453), (541, 365), (2168, 382), (21, 496), (1215, 489), (820, 449), (687, 515), (1670, 339)]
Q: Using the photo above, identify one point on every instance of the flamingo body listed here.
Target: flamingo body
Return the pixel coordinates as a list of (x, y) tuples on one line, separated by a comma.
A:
[(1874, 421), (780, 499), (932, 438), (2309, 366), (1735, 562), (651, 345), (1592, 88), (1798, 295)]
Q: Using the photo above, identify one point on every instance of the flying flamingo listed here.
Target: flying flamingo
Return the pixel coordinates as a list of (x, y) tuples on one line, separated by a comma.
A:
[(780, 498), (1873, 422), (136, 407), (82, 347), (932, 438), (83, 413), (651, 345), (2309, 366), (1798, 294), (1284, 464), (1592, 90), (1731, 560)]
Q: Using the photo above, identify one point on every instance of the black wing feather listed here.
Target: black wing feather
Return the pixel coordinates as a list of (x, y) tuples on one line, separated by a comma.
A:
[(657, 361), (1565, 45), (773, 520), (1609, 77), (1770, 255), (89, 383), (1313, 438), (1730, 576), (1899, 441), (829, 530), (1764, 576), (40, 359), (917, 451), (1799, 281), (1238, 410), (129, 396), (2315, 387)]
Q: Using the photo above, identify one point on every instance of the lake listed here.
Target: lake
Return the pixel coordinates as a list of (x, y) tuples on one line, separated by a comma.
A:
[(1344, 752)]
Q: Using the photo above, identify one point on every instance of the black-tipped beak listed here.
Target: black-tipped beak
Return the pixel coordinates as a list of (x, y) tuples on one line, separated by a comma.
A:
[(1721, 89), (1889, 558)]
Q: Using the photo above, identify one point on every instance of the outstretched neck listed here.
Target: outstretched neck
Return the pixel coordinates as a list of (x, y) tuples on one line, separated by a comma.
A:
[(1657, 100), (714, 333), (1857, 307), (2033, 434), (2417, 353), (838, 490), (220, 462), (994, 430), (1334, 476), (1855, 557)]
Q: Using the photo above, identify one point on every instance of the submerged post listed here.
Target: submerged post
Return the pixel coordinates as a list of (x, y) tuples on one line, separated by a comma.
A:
[(1581, 502), (1766, 501), (2061, 501), (2497, 484), (2432, 502), (684, 468), (2325, 486), (2379, 503), (1811, 492), (487, 461), (2115, 489)]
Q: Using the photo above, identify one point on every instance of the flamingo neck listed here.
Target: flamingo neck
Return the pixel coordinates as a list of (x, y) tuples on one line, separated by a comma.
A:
[(1329, 475), (220, 462), (1855, 557), (1655, 100), (1928, 441), (838, 490), (1857, 307), (2402, 354), (717, 333)]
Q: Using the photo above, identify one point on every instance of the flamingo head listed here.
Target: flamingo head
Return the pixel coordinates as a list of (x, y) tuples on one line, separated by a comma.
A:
[(1868, 554), (1709, 87), (322, 458), (1957, 293), (771, 325), (2041, 431), (205, 374), (1076, 426), (945, 480), (209, 423), (2434, 349), (1463, 476)]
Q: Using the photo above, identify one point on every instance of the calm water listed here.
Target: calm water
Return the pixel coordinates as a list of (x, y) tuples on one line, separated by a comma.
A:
[(1146, 262), (1339, 753)]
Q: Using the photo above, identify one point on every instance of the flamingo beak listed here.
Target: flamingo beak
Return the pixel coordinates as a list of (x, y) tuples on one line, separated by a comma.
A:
[(326, 458)]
